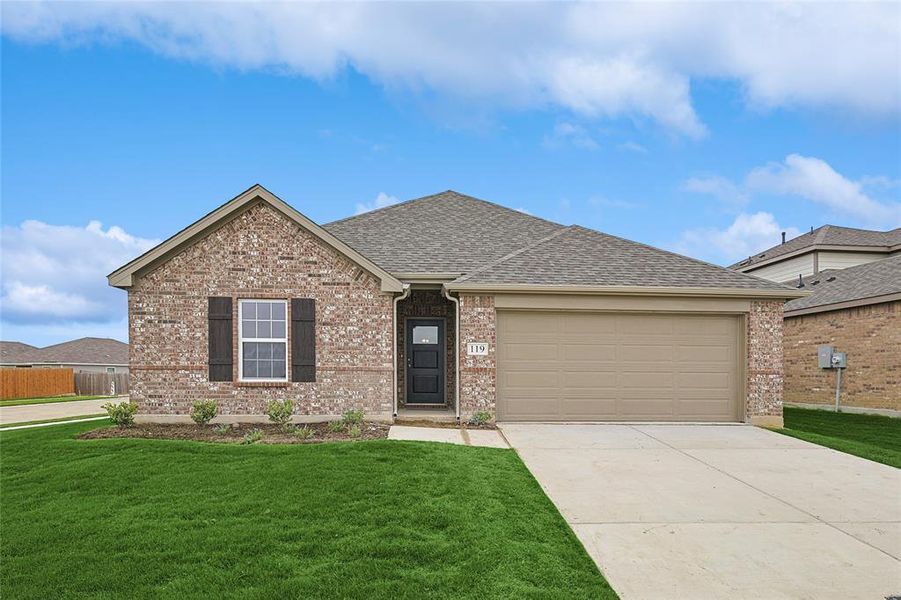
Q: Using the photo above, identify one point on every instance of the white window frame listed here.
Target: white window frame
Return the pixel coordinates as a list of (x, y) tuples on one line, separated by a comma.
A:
[(242, 339)]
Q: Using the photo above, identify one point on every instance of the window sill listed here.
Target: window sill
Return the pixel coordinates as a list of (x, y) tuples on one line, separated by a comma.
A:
[(275, 384)]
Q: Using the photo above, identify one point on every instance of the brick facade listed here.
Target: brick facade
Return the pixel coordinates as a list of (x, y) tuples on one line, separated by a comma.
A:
[(765, 377), (478, 323), (431, 304), (260, 254), (871, 336)]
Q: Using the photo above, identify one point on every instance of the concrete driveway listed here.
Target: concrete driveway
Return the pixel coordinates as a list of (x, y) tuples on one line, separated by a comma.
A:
[(54, 410), (720, 511)]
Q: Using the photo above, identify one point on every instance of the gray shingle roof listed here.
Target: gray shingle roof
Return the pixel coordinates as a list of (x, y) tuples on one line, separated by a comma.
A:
[(827, 235), (870, 280), (14, 351), (88, 350), (578, 256), (443, 233)]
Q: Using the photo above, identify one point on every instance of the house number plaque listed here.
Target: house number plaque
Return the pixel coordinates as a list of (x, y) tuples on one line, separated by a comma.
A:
[(477, 349)]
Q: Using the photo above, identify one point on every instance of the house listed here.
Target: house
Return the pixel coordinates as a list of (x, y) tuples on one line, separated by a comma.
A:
[(826, 248), (448, 305), (103, 355), (858, 311)]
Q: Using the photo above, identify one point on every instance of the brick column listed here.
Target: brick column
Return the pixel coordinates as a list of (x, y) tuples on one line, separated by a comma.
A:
[(765, 365), (478, 322)]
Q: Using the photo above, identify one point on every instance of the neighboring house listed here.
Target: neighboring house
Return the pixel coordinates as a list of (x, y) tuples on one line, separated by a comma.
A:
[(857, 310), (102, 355), (445, 303), (826, 248)]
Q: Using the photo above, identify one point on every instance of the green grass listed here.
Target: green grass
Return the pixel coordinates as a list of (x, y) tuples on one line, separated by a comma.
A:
[(56, 420), (380, 519), (874, 437), (26, 401)]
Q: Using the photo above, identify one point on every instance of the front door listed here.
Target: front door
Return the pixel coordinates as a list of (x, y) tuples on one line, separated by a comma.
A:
[(425, 361)]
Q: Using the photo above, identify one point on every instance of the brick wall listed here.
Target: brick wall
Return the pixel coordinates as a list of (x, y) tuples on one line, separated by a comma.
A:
[(260, 254), (765, 362), (871, 335), (478, 323), (426, 303)]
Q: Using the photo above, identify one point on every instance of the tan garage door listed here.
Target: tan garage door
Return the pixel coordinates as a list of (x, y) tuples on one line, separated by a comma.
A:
[(571, 366)]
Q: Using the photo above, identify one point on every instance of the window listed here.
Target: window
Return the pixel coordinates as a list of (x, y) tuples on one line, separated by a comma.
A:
[(425, 334), (111, 370), (263, 340)]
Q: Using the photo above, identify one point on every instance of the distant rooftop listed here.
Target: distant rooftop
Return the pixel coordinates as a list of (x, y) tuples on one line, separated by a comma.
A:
[(827, 235), (877, 280), (85, 351)]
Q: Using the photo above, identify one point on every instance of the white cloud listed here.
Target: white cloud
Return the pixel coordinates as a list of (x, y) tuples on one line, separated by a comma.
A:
[(603, 60), (56, 274), (381, 201), (815, 180), (570, 134), (747, 235), (719, 187), (634, 147)]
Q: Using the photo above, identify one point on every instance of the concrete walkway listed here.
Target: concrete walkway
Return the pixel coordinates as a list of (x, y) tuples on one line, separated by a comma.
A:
[(465, 437), (705, 511), (54, 410)]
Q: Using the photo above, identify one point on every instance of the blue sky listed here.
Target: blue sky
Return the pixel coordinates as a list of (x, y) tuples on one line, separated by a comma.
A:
[(142, 120)]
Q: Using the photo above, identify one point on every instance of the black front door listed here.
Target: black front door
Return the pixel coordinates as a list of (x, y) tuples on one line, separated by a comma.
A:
[(425, 361)]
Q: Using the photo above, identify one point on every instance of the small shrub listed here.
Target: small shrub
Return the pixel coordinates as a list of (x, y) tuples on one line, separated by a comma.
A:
[(352, 417), (222, 428), (122, 414), (204, 411), (480, 418), (280, 412), (252, 437), (336, 426), (354, 431), (304, 432)]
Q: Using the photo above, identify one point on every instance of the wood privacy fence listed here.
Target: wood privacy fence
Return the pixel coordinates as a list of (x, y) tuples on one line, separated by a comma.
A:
[(100, 384), (35, 383)]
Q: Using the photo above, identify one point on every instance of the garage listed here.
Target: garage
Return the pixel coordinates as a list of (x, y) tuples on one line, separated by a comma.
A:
[(612, 366)]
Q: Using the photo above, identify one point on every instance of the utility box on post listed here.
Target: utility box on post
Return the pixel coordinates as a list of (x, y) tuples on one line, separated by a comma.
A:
[(839, 360), (824, 357)]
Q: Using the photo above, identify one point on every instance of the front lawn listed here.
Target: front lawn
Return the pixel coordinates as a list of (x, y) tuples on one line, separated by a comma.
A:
[(375, 519), (25, 401), (875, 437)]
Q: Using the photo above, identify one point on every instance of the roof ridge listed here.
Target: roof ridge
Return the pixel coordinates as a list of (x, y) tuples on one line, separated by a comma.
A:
[(682, 256), (563, 229), (435, 195)]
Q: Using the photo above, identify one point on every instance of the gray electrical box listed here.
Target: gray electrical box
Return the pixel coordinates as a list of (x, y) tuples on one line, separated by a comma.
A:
[(824, 356), (839, 360)]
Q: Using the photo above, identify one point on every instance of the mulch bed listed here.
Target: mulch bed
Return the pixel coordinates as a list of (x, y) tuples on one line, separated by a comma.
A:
[(272, 434), (442, 424)]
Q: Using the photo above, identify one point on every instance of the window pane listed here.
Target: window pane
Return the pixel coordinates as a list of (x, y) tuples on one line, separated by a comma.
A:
[(278, 369), (278, 351), (265, 351), (249, 310), (250, 368), (250, 349), (264, 329), (265, 368), (249, 328), (278, 329), (425, 334), (263, 310), (278, 311)]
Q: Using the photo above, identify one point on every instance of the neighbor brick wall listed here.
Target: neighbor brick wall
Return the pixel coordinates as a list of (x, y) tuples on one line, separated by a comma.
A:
[(478, 323), (426, 303), (765, 360), (871, 335), (260, 254)]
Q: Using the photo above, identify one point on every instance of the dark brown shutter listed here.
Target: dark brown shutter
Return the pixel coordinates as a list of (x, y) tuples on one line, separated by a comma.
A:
[(303, 339), (220, 338)]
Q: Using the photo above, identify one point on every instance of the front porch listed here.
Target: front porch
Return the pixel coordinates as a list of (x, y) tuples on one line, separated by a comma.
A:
[(426, 360)]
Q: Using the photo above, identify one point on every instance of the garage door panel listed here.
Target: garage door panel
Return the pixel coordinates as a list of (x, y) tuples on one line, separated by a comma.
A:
[(614, 366)]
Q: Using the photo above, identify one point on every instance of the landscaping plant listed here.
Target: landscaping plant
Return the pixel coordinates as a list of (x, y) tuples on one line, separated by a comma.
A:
[(252, 437), (122, 413), (222, 428), (336, 426), (204, 411), (280, 412), (480, 418), (354, 431), (352, 417), (304, 432)]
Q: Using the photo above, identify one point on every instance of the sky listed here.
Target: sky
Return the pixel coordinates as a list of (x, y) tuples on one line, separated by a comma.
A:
[(706, 129)]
